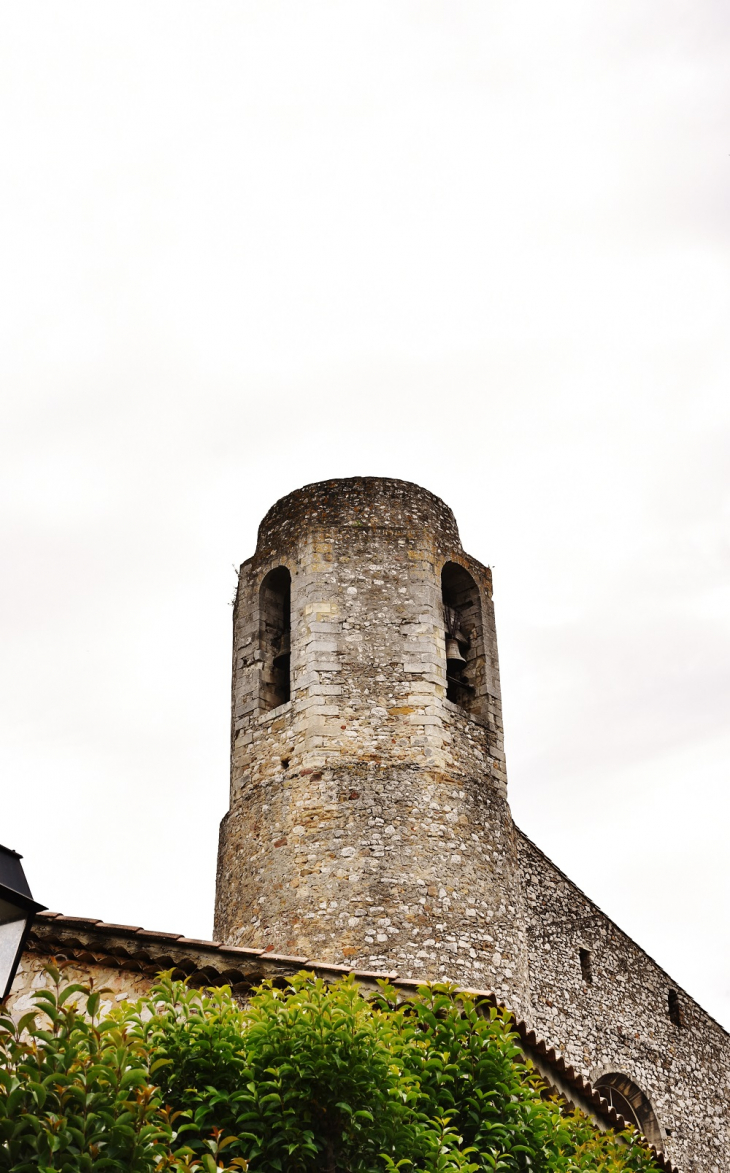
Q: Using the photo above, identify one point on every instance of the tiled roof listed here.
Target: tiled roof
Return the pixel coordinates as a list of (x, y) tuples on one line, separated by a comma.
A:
[(209, 963)]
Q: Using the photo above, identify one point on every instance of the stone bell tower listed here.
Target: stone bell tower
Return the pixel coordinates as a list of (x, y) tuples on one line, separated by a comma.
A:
[(368, 822)]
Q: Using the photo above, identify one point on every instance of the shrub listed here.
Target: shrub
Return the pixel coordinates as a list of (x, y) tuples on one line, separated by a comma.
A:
[(314, 1077)]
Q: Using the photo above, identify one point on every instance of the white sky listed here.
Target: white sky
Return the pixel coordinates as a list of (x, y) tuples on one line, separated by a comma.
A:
[(483, 246)]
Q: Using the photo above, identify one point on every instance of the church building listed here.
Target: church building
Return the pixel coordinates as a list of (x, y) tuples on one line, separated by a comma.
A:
[(369, 828)]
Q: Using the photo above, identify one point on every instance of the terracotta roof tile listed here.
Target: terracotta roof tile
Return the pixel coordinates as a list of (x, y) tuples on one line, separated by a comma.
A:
[(283, 957), (151, 935), (379, 975), (105, 926), (328, 966), (239, 951), (194, 941)]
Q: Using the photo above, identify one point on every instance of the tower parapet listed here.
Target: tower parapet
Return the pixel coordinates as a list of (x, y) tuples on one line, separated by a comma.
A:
[(368, 820)]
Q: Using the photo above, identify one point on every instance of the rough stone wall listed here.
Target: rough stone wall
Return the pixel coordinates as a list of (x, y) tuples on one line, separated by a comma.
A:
[(382, 869), (619, 1021), (365, 557), (368, 820), (119, 984)]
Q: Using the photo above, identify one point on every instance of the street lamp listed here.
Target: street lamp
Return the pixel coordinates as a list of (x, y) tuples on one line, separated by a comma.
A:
[(17, 909)]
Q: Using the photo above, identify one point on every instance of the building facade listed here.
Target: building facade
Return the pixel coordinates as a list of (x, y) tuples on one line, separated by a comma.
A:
[(369, 827), (369, 823)]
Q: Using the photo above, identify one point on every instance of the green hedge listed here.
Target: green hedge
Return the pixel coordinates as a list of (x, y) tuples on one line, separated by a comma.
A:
[(314, 1077)]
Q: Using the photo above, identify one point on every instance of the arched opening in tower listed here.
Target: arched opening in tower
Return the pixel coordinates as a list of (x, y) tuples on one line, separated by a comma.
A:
[(464, 636), (275, 638)]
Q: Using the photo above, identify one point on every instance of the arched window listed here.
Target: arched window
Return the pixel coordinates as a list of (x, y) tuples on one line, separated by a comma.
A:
[(274, 638), (630, 1101), (465, 667)]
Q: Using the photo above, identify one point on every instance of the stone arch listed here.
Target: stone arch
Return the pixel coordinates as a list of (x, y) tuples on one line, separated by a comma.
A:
[(630, 1102), (464, 635), (275, 638)]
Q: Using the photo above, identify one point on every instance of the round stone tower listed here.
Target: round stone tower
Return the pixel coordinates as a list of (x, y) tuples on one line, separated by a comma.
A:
[(368, 822)]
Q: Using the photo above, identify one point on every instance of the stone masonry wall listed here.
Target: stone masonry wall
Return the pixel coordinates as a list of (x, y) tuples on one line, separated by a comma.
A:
[(379, 868), (365, 557), (118, 984), (619, 1021), (368, 817)]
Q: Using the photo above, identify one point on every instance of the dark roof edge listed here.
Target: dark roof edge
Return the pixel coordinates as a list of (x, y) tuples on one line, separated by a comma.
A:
[(53, 935)]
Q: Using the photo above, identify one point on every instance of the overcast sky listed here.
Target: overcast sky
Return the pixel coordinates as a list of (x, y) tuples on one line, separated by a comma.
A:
[(482, 245)]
